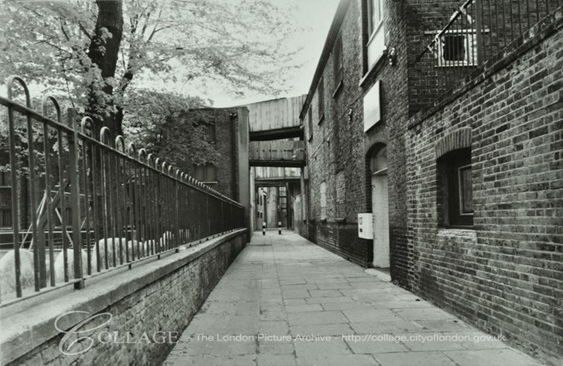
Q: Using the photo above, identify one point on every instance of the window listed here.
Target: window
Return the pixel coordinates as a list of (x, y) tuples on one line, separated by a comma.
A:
[(378, 162), (375, 9), (210, 132), (323, 201), (321, 98), (375, 47), (5, 179), (456, 188), (457, 48), (372, 106), (338, 65), (205, 173), (5, 200), (341, 194), (310, 123)]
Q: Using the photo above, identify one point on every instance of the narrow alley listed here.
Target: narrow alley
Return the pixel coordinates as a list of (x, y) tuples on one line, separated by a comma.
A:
[(286, 301)]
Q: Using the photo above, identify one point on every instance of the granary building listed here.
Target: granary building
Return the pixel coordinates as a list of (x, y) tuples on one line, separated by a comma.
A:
[(434, 143)]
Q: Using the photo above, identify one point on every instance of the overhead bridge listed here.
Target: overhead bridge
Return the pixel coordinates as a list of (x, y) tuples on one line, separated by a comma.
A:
[(276, 119), (277, 134)]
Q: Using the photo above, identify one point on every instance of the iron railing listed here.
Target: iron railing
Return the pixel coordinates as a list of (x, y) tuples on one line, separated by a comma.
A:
[(82, 205), (480, 30)]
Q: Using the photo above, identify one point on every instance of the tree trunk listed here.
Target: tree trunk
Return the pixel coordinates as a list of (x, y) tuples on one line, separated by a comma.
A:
[(104, 53), (120, 113)]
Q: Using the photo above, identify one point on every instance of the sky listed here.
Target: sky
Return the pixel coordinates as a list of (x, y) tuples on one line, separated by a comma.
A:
[(313, 18)]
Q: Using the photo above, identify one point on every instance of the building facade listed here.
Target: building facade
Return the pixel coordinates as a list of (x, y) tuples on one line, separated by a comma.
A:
[(434, 157), (221, 130)]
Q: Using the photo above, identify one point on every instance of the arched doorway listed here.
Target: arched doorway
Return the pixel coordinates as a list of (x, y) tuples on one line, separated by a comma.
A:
[(380, 207)]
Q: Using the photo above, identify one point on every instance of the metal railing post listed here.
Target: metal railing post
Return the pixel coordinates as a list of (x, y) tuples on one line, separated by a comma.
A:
[(479, 30), (14, 182), (48, 203), (75, 199), (92, 185)]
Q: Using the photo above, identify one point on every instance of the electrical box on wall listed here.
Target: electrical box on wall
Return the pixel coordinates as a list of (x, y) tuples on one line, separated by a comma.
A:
[(365, 225)]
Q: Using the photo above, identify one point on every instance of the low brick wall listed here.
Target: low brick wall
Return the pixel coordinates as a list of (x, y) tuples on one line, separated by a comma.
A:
[(342, 239), (140, 312)]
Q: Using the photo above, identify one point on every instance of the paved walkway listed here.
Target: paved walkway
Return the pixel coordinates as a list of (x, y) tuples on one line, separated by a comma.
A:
[(286, 301)]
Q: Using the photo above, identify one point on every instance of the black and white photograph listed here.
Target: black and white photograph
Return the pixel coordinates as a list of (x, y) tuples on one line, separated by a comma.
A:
[(281, 182)]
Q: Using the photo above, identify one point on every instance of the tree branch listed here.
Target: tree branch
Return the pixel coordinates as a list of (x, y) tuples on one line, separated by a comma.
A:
[(155, 26), (64, 30), (84, 31), (58, 48)]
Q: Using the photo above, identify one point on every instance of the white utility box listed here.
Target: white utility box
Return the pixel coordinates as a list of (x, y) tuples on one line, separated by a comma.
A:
[(365, 225)]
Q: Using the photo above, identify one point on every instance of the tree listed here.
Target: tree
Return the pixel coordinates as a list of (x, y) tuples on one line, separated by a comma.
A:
[(103, 51), (94, 56), (171, 126)]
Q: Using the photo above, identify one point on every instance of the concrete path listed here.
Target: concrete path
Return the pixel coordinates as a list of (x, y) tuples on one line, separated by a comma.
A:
[(285, 301)]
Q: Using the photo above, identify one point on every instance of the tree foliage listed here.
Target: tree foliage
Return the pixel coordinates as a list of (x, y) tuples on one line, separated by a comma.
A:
[(171, 126), (59, 44)]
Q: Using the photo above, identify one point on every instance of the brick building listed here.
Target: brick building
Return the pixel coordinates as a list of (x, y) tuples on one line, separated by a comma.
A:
[(464, 190), (227, 129), (222, 131)]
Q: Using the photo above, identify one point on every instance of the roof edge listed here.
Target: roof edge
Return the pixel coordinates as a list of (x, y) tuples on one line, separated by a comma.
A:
[(327, 50)]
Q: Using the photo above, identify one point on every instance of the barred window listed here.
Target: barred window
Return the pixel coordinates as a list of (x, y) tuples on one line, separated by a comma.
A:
[(457, 48)]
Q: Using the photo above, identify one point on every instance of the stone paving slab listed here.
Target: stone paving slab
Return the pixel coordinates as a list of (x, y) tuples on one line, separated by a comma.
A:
[(286, 301)]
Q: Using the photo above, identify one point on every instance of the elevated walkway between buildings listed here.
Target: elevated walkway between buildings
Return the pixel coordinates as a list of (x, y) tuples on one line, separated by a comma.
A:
[(276, 119)]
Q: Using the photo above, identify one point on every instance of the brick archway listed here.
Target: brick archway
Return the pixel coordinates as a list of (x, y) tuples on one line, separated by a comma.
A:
[(455, 140)]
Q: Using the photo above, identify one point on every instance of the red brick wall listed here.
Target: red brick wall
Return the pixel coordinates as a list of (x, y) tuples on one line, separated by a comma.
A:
[(504, 275), (340, 148), (330, 151)]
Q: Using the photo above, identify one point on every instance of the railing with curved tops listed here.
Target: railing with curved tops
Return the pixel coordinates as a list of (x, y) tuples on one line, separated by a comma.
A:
[(478, 32), (81, 206)]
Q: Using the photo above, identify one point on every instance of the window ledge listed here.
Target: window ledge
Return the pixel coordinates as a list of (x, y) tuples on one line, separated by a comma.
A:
[(467, 233), (380, 172), (338, 88)]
